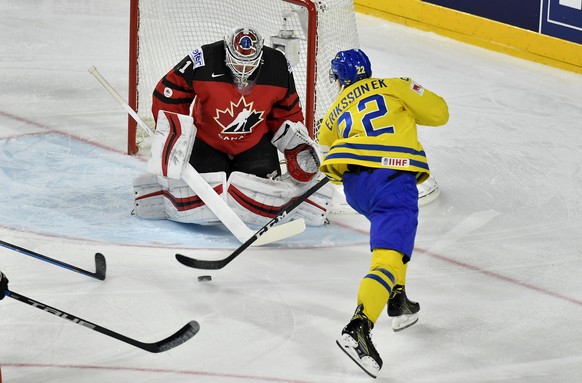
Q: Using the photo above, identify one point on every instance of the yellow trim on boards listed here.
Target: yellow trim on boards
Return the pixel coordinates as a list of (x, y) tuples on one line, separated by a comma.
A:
[(477, 31)]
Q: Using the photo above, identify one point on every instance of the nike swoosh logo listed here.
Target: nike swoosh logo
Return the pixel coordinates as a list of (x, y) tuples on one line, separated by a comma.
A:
[(217, 75)]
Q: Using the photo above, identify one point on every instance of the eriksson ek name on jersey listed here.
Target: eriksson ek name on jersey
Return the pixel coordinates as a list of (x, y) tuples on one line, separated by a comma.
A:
[(356, 93)]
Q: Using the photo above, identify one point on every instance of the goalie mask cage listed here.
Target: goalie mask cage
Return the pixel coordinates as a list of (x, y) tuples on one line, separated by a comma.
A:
[(310, 32)]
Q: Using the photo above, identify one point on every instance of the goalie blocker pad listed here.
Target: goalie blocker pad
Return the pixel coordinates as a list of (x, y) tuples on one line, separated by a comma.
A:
[(258, 200), (172, 144), (158, 197)]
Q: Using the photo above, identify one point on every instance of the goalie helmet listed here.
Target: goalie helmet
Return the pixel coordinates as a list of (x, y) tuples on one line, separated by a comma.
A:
[(244, 51), (350, 66)]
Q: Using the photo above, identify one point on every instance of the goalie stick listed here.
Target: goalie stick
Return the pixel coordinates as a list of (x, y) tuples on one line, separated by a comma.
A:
[(219, 264), (174, 340), (195, 181), (100, 264)]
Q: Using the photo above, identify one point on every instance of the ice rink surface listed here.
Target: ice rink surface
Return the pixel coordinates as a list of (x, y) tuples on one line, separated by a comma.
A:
[(497, 264)]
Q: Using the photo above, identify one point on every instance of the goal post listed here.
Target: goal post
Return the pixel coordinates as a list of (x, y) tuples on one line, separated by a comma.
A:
[(309, 32)]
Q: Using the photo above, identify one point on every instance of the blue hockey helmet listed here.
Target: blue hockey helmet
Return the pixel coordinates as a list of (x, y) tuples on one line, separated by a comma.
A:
[(350, 66)]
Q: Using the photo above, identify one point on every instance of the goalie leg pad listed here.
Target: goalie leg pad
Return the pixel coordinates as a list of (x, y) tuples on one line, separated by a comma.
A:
[(181, 204), (339, 204), (428, 191), (148, 197), (316, 208), (258, 200)]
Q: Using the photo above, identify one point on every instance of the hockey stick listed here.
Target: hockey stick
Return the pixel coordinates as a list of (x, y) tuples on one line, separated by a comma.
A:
[(181, 336), (219, 264), (100, 264), (195, 181)]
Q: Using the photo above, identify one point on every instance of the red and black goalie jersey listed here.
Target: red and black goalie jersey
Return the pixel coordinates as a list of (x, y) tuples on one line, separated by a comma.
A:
[(226, 119)]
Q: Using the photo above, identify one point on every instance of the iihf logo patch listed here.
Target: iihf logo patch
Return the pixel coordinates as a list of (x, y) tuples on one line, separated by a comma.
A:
[(416, 87), (396, 162)]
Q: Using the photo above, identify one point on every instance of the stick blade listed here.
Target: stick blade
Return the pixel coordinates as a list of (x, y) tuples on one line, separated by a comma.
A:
[(181, 336), (100, 266), (281, 232), (202, 263)]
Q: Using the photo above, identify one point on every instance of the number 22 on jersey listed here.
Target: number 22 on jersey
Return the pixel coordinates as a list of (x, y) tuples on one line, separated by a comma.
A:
[(367, 118)]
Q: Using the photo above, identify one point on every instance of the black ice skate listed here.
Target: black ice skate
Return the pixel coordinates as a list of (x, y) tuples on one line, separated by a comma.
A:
[(403, 311), (356, 342)]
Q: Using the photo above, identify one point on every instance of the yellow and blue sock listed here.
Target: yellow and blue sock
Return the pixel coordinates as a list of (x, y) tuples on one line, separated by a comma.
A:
[(386, 270)]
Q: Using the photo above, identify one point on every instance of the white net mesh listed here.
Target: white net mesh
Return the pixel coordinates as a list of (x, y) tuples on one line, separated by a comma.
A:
[(170, 29)]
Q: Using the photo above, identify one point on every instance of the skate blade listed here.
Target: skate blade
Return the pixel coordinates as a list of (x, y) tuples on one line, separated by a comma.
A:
[(403, 322), (347, 344)]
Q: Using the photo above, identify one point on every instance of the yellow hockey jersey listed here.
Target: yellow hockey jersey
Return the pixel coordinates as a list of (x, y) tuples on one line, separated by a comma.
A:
[(373, 123)]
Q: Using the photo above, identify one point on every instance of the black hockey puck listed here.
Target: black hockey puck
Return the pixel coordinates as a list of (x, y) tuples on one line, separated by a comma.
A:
[(204, 278)]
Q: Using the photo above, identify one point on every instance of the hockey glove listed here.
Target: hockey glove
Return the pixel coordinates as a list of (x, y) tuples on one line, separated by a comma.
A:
[(300, 151)]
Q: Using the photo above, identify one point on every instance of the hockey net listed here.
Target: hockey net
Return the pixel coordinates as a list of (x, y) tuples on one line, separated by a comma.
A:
[(310, 32)]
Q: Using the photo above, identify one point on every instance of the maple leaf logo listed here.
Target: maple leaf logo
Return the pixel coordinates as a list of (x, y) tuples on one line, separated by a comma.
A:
[(239, 118)]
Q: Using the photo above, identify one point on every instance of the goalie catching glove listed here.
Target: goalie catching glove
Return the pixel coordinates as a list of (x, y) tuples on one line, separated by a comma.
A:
[(300, 151)]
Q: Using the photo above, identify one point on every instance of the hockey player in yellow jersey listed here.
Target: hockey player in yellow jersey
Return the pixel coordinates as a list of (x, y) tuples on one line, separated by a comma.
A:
[(369, 143)]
